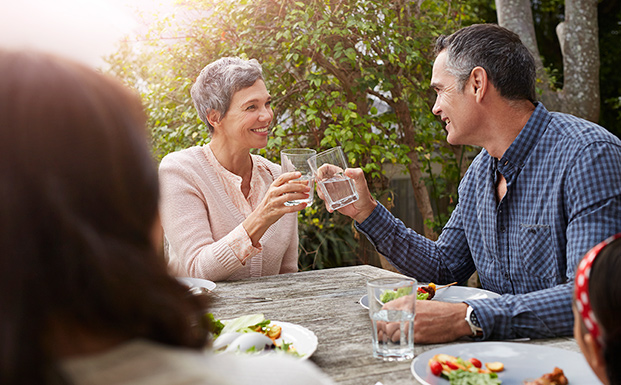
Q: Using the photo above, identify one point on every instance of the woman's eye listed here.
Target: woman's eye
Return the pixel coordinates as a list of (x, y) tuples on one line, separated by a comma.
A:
[(251, 107)]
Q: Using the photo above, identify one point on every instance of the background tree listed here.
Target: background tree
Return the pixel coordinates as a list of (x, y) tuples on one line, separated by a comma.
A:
[(579, 45), (353, 73), (545, 16)]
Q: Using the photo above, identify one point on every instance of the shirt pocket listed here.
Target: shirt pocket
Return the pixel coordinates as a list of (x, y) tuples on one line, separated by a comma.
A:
[(537, 249)]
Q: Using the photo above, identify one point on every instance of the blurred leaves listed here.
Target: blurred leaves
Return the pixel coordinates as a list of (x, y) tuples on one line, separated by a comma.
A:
[(353, 73)]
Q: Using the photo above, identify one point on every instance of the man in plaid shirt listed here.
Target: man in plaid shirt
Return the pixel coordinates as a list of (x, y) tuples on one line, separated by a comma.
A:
[(545, 188)]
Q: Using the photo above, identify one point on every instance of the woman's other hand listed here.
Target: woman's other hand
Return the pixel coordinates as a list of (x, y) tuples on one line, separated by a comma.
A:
[(273, 207)]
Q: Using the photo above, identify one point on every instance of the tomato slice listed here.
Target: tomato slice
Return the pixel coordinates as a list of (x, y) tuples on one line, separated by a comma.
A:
[(436, 367), (476, 363)]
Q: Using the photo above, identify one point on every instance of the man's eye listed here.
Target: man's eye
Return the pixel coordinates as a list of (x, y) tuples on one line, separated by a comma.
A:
[(250, 107)]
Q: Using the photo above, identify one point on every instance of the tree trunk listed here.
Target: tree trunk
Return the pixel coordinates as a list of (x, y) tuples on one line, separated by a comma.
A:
[(579, 44), (517, 16), (580, 47), (421, 194)]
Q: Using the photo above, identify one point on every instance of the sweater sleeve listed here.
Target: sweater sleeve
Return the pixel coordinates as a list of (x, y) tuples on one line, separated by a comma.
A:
[(290, 259), (188, 229)]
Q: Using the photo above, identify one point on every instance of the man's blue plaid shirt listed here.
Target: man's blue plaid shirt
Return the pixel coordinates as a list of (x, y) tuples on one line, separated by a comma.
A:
[(563, 197)]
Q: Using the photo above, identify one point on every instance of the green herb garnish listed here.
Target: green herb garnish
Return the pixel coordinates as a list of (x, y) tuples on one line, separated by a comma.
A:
[(214, 324), (390, 295), (463, 377)]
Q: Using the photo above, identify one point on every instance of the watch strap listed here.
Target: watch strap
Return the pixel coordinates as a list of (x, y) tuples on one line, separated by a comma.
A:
[(473, 322)]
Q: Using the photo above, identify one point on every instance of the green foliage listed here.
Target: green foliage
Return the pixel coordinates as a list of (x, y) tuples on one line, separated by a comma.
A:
[(353, 73), (326, 240), (164, 87)]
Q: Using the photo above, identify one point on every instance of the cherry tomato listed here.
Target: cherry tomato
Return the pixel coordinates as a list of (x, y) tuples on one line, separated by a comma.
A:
[(477, 364), (436, 367), (452, 365)]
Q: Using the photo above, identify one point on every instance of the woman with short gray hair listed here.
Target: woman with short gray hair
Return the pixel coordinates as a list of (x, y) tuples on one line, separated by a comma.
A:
[(218, 81), (222, 208)]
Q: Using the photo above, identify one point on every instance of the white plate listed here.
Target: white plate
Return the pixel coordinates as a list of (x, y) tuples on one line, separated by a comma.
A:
[(463, 293), (521, 361), (450, 294), (197, 282), (303, 340)]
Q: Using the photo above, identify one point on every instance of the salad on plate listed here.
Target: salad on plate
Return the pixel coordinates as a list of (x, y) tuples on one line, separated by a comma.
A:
[(249, 334)]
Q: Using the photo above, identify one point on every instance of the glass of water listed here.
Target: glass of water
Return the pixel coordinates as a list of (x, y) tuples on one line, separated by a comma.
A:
[(295, 159), (328, 168), (393, 330)]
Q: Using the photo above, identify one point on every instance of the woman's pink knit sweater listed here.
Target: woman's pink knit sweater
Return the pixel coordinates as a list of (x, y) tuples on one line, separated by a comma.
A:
[(202, 225)]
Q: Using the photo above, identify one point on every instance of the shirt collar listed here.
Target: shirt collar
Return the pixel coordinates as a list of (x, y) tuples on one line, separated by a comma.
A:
[(223, 173), (514, 159)]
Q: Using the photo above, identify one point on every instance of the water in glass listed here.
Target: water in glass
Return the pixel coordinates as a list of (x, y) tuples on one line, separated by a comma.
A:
[(311, 194), (339, 191), (383, 346)]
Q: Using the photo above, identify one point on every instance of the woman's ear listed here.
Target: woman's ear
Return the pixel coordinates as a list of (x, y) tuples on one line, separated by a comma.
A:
[(213, 117), (595, 357)]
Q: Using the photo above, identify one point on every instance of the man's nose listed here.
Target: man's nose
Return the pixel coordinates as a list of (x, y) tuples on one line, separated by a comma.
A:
[(436, 107)]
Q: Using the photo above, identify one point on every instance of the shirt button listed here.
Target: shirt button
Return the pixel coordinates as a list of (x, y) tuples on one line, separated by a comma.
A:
[(502, 229)]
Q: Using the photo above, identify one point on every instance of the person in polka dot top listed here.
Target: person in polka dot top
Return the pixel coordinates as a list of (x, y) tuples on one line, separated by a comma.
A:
[(597, 309)]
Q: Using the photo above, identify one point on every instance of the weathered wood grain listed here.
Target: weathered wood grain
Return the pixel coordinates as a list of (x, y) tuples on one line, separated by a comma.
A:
[(326, 302)]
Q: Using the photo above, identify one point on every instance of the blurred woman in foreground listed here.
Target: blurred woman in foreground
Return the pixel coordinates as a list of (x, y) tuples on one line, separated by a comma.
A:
[(597, 309), (84, 296)]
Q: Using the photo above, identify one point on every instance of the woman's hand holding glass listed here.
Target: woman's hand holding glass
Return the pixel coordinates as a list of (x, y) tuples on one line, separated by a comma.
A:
[(273, 207)]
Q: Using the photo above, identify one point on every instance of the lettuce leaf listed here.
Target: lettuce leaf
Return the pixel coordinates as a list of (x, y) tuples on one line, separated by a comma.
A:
[(215, 324), (244, 323), (462, 377), (389, 295), (422, 296)]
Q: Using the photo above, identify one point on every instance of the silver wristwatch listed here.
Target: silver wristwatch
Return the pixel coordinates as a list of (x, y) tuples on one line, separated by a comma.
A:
[(471, 318)]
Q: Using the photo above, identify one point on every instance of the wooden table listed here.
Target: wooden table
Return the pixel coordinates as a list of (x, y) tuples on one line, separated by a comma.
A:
[(326, 302)]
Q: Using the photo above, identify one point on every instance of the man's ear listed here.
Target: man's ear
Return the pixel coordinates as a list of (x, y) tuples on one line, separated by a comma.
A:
[(213, 117), (479, 82), (595, 356)]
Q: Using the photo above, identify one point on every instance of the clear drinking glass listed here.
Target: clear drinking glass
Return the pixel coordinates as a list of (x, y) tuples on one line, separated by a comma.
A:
[(328, 168), (388, 344), (295, 159)]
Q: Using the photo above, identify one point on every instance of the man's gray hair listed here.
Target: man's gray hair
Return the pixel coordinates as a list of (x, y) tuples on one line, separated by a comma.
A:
[(219, 81), (509, 64)]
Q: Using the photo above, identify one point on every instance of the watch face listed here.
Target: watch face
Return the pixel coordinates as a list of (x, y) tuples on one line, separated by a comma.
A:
[(474, 320)]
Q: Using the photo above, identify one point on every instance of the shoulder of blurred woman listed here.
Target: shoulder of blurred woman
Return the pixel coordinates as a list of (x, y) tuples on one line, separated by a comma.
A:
[(147, 362), (274, 369)]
